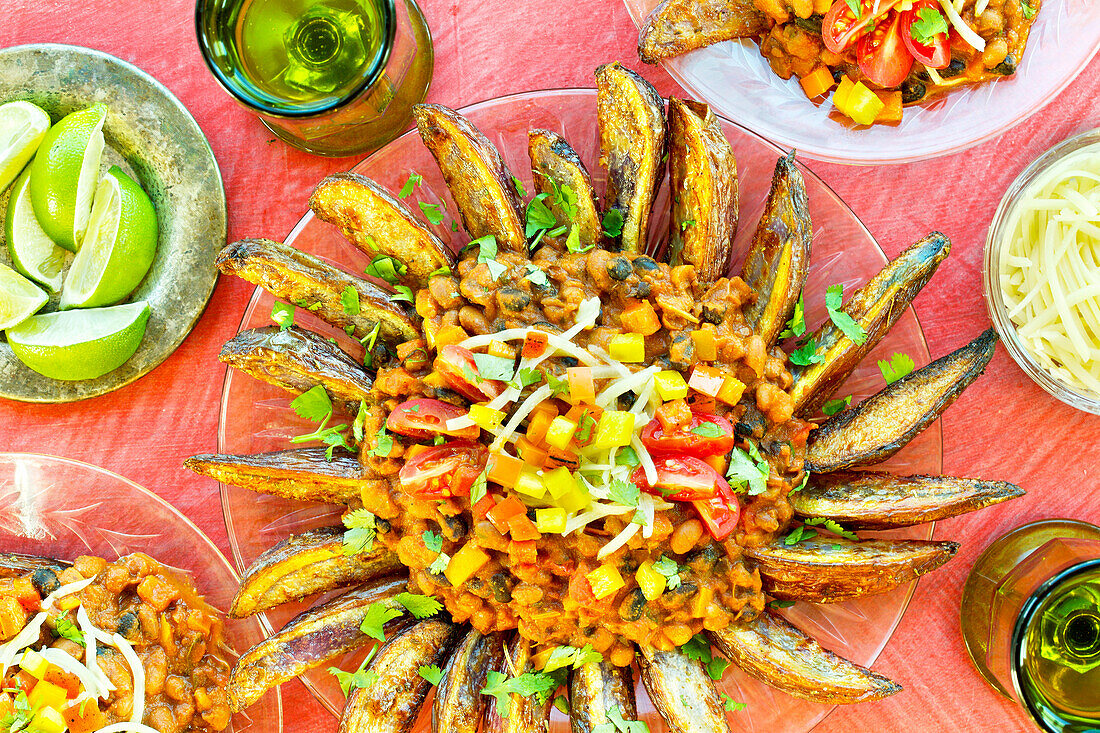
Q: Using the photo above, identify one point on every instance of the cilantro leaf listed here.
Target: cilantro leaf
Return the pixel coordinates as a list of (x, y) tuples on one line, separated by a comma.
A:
[(565, 656), (536, 275), (539, 216), (565, 198), (480, 487), (1028, 10), (433, 540), (777, 603), (746, 473), (496, 269), (898, 366), (313, 404), (432, 212), (805, 480), (383, 444), (797, 325), (832, 407), (283, 315), (834, 295), (618, 724), (387, 268), (361, 677), (855, 7), (359, 422), (330, 436), (415, 179), (66, 629), (708, 430), (716, 668), (627, 456), (495, 367), (831, 526), (799, 534), (402, 293), (685, 225), (378, 614), (419, 606), (368, 341), (667, 567), (805, 354), (359, 537), (613, 223), (525, 378), (558, 385), (697, 648), (624, 492), (930, 23), (439, 565), (573, 241), (432, 673), (519, 187), (731, 705), (349, 299), (444, 270), (527, 684)]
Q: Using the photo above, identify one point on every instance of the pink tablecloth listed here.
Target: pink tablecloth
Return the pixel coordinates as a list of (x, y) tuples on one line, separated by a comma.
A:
[(1003, 427)]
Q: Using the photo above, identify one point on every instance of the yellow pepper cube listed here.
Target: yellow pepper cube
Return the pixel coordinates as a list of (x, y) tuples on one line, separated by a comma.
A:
[(501, 349), (701, 601), (49, 720), (560, 432), (706, 343), (650, 581), (467, 561), (486, 418), (559, 482), (530, 484), (615, 429), (576, 500), (731, 390), (670, 385), (47, 695), (34, 664), (863, 105), (605, 581), (840, 96), (627, 347), (550, 520)]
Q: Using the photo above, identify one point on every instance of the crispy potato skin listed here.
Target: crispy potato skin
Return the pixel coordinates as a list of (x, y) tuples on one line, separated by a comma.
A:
[(780, 655), (703, 180), (459, 705), (294, 276), (297, 360), (377, 223), (678, 26), (303, 474), (596, 688), (682, 692), (527, 714), (308, 640), (305, 564), (779, 259), (885, 422), (479, 181), (554, 160), (880, 500), (876, 307), (392, 703), (632, 147), (834, 569)]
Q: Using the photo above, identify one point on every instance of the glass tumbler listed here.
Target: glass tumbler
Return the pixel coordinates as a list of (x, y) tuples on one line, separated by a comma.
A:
[(331, 77), (1031, 622)]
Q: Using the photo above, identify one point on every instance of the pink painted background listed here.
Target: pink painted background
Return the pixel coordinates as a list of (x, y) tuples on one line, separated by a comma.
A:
[(1002, 427)]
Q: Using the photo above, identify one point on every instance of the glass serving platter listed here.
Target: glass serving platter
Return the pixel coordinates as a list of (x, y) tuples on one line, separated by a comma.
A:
[(257, 417)]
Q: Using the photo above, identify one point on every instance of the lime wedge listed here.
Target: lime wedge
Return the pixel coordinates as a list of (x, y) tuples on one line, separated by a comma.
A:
[(82, 344), (22, 127), (118, 247), (64, 175), (19, 298), (32, 252)]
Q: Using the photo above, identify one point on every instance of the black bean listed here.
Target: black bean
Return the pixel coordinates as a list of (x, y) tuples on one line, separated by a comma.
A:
[(568, 361), (618, 268), (633, 606), (682, 592), (714, 313), (45, 581), (454, 528), (752, 424), (513, 299), (383, 525), (502, 587), (127, 622), (1006, 67), (645, 264), (641, 290), (912, 91), (547, 326), (956, 67)]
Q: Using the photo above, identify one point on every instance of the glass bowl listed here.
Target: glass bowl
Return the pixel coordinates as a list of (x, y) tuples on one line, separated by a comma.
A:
[(257, 417), (61, 508), (999, 231), (734, 78)]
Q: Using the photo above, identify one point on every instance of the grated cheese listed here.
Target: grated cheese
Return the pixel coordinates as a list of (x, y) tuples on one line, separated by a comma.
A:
[(620, 539), (528, 406), (137, 671), (960, 25), (73, 666), (65, 590)]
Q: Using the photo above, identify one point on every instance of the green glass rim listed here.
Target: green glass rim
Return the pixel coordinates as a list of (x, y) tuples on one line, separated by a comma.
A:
[(259, 104), (1019, 631)]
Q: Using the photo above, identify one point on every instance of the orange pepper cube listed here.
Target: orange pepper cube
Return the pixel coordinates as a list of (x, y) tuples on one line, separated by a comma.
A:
[(706, 342), (504, 469), (582, 387), (731, 391), (706, 379), (523, 529), (540, 420), (641, 318)]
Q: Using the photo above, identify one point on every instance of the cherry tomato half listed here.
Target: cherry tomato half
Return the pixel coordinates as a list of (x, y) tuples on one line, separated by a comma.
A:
[(457, 366), (841, 28), (935, 54), (687, 440), (426, 418), (443, 471), (720, 513), (882, 55), (682, 478)]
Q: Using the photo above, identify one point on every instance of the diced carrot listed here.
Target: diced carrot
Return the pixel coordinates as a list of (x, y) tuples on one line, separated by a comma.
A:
[(523, 529), (718, 463), (532, 454), (706, 379), (69, 682), (706, 342), (559, 458), (504, 469), (674, 415), (641, 318), (534, 345), (817, 82), (482, 507), (891, 113), (85, 717), (523, 553), (13, 617), (449, 335), (405, 349), (157, 592), (540, 420), (26, 594), (582, 388), (500, 514)]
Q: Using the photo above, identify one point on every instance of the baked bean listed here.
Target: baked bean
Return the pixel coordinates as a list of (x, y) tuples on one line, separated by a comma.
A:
[(686, 536)]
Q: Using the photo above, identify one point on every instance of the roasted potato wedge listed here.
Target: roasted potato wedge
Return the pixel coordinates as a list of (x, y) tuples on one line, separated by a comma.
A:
[(554, 162), (377, 223), (779, 259), (308, 640), (876, 307), (459, 705), (831, 570), (703, 190), (391, 704), (885, 422), (682, 692), (305, 564), (525, 714), (777, 653), (297, 360), (479, 181), (303, 473), (14, 564), (879, 500), (596, 688), (296, 277), (631, 118), (678, 26)]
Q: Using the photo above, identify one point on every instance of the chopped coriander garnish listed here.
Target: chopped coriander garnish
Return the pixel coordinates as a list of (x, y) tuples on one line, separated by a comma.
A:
[(359, 537), (1028, 10), (528, 684), (420, 606), (627, 456), (387, 268), (402, 293), (66, 629), (855, 7), (731, 705), (432, 212), (349, 299), (519, 187), (708, 430), (624, 492), (359, 422), (444, 270), (778, 603), (283, 315), (558, 385), (797, 325), (368, 342), (618, 724), (802, 485), (929, 24), (494, 367), (747, 472), (432, 673), (613, 223), (525, 378), (831, 526), (415, 179), (378, 614), (480, 487), (834, 297), (313, 404), (806, 354), (898, 366), (667, 567), (832, 407), (573, 241), (698, 648), (383, 444), (685, 225), (439, 565), (539, 216), (433, 540), (799, 534), (570, 656), (361, 677), (535, 275)]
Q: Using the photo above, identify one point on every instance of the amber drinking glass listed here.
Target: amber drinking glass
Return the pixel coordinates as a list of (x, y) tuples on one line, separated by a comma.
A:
[(332, 77), (1031, 622)]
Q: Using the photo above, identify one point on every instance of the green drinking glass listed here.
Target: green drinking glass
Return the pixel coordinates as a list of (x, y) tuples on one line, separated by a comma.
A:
[(332, 77), (1031, 622)]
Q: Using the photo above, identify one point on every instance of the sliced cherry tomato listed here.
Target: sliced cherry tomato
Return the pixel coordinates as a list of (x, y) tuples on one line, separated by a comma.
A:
[(681, 478), (840, 28), (698, 439), (443, 471), (720, 513), (882, 56), (457, 366), (936, 53), (426, 418)]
